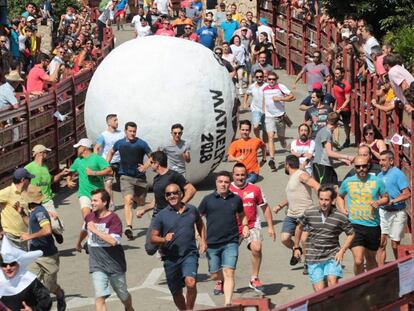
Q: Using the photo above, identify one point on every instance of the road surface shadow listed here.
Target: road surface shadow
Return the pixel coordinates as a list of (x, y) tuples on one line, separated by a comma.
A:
[(269, 289)]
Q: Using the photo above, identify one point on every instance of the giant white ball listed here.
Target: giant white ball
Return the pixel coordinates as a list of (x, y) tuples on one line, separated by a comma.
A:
[(158, 81)]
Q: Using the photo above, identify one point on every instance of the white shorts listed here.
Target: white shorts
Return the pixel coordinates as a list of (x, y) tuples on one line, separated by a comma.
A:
[(85, 202), (392, 223), (255, 235)]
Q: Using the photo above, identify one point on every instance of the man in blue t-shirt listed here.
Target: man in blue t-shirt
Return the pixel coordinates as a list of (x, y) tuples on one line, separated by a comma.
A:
[(221, 209), (132, 151), (40, 238), (366, 193), (228, 27), (207, 34), (174, 231), (328, 99), (393, 216)]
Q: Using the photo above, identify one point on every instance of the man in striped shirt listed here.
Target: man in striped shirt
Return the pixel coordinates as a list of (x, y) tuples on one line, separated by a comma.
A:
[(323, 251)]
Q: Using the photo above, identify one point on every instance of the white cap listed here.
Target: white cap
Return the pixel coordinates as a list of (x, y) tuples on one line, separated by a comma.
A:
[(85, 142), (30, 18)]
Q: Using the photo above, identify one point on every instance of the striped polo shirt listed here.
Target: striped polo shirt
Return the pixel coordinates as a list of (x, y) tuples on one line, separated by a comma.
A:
[(323, 240)]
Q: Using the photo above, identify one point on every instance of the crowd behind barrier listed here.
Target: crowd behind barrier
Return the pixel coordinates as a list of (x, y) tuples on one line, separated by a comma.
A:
[(297, 38), (54, 119)]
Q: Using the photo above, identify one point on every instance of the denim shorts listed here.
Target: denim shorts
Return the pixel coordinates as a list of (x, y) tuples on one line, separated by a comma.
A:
[(252, 178), (177, 270), (289, 225), (223, 256), (101, 283), (318, 272)]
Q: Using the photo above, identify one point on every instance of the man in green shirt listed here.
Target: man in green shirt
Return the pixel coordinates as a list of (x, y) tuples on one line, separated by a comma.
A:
[(44, 180), (91, 168)]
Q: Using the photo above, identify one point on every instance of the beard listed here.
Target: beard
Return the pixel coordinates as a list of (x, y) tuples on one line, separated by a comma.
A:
[(303, 138)]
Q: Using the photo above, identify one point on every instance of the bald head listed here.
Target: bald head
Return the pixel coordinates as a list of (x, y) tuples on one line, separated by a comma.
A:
[(360, 160), (365, 152)]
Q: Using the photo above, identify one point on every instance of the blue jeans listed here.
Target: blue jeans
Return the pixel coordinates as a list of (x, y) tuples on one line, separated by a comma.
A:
[(252, 178), (223, 256)]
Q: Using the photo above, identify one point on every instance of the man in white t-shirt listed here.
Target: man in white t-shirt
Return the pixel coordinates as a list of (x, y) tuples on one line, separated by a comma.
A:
[(274, 97), (303, 148), (163, 6), (144, 30), (104, 143), (369, 43), (255, 90)]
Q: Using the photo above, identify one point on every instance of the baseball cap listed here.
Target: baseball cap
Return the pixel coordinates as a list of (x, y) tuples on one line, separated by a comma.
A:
[(30, 18), (317, 86), (263, 20), (21, 173), (33, 194), (244, 28), (85, 142), (39, 148)]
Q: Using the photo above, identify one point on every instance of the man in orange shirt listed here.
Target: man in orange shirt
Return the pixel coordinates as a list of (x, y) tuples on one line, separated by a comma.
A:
[(244, 150), (181, 21)]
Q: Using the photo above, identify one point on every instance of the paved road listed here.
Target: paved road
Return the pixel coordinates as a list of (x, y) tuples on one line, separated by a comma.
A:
[(145, 274)]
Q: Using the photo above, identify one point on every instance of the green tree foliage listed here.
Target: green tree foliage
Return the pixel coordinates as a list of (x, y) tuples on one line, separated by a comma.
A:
[(390, 18), (17, 7)]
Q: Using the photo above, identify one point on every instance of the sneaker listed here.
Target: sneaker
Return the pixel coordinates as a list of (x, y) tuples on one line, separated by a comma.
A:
[(128, 233), (58, 237), (346, 144), (61, 302), (305, 269), (218, 288), (295, 260), (272, 165), (86, 248), (256, 285)]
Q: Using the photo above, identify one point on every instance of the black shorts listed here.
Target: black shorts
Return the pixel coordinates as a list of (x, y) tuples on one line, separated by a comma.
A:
[(368, 237), (345, 117), (325, 174)]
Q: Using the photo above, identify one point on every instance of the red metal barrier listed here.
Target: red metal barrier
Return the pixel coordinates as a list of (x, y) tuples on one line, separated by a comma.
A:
[(377, 289), (33, 123)]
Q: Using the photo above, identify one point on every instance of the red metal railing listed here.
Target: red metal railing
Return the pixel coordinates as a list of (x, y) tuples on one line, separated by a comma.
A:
[(34, 122)]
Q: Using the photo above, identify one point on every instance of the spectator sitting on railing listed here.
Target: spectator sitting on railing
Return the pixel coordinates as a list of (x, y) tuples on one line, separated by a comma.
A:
[(37, 76), (400, 79), (316, 72), (7, 91), (387, 98)]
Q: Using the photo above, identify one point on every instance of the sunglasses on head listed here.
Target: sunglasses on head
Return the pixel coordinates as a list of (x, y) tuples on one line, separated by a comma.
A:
[(11, 264)]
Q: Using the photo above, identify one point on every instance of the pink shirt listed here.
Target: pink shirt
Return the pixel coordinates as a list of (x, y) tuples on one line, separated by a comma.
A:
[(35, 79), (165, 32), (398, 75), (379, 67)]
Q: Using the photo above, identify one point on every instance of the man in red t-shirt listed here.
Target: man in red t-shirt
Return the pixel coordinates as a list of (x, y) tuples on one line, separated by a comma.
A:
[(342, 93), (252, 199), (166, 29), (37, 75), (244, 150)]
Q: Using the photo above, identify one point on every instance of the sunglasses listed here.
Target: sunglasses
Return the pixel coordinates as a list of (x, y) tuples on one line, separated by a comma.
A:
[(168, 194), (219, 53), (257, 77), (177, 133), (361, 166), (11, 264), (3, 41), (369, 133), (271, 79), (187, 28)]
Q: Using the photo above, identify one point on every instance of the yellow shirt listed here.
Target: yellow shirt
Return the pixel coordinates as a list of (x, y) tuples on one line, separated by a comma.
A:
[(11, 221), (389, 96), (237, 17)]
